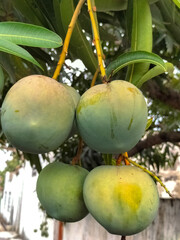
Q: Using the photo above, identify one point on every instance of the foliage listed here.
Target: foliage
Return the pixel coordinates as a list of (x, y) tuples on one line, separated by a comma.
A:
[(115, 42), (11, 166)]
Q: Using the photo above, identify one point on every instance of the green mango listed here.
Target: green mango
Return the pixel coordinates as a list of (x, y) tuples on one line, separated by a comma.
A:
[(112, 117), (37, 114), (123, 199), (60, 191)]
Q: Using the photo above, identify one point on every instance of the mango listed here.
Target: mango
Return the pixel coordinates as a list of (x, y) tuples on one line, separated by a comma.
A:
[(37, 114), (60, 191), (112, 117), (74, 94), (123, 199)]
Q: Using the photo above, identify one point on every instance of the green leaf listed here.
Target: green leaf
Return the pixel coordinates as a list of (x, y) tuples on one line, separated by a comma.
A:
[(171, 18), (155, 71), (11, 48), (1, 79), (134, 57), (48, 11), (177, 2), (140, 22), (7, 65), (29, 35), (149, 122), (29, 11), (79, 45), (34, 161)]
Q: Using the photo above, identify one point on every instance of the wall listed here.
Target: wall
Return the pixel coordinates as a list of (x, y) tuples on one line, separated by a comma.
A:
[(165, 227), (20, 206)]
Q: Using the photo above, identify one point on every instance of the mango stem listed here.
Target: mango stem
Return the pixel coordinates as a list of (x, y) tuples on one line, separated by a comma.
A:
[(151, 174), (67, 39), (122, 157), (76, 159), (95, 77), (97, 40)]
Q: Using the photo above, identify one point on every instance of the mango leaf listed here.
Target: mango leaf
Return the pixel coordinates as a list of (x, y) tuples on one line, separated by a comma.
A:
[(34, 161), (47, 10), (155, 71), (177, 2), (134, 57), (7, 65), (1, 79), (29, 35), (149, 122), (140, 31), (57, 14), (11, 48), (79, 45), (171, 18), (29, 10)]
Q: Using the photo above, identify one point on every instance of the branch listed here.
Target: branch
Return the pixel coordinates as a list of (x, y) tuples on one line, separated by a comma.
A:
[(166, 95), (67, 38), (154, 140)]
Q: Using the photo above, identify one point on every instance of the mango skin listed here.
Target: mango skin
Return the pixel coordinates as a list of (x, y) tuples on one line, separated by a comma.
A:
[(123, 199), (60, 191), (112, 117), (74, 94), (37, 114)]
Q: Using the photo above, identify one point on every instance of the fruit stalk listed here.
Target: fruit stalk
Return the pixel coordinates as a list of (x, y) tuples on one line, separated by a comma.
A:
[(97, 40), (76, 159), (95, 77), (67, 39)]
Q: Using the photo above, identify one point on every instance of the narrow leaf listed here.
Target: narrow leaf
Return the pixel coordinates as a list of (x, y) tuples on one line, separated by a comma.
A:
[(149, 122), (79, 45), (155, 71), (7, 65), (28, 9), (140, 22), (34, 161), (134, 57), (11, 48), (1, 79), (29, 35), (177, 2)]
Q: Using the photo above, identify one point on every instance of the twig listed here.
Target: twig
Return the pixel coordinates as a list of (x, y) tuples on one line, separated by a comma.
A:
[(97, 41), (123, 238), (122, 157), (76, 159), (95, 77), (67, 39)]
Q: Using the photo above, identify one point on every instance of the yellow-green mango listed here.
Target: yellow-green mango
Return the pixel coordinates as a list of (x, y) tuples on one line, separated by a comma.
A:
[(74, 94), (112, 117), (123, 199), (60, 191), (37, 114)]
